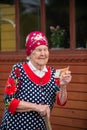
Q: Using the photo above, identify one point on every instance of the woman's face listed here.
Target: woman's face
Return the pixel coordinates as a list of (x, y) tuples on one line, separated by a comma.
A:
[(39, 57)]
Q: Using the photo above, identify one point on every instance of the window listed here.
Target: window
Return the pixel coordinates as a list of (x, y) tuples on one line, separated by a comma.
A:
[(81, 24), (29, 18), (57, 15), (7, 26)]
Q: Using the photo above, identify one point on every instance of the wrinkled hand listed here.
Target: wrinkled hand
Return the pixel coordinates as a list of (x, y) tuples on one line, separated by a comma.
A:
[(44, 110), (65, 78)]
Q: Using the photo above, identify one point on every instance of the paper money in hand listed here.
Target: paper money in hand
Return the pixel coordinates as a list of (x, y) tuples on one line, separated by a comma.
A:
[(60, 72)]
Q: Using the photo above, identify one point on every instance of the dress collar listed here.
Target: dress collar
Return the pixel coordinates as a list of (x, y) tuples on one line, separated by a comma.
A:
[(34, 69), (36, 79)]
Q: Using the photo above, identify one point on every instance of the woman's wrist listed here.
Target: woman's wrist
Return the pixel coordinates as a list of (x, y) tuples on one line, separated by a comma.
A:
[(63, 87)]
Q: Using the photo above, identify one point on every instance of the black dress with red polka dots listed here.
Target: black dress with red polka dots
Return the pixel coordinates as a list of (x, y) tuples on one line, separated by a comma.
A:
[(30, 88)]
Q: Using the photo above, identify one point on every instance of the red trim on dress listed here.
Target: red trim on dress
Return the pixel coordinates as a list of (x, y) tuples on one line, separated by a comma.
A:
[(34, 78), (13, 105), (58, 100), (57, 81)]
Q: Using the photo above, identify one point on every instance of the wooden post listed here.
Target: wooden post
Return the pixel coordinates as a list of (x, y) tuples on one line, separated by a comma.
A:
[(72, 25), (42, 15)]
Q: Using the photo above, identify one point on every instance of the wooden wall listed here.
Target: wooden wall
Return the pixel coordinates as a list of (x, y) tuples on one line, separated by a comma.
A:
[(73, 116)]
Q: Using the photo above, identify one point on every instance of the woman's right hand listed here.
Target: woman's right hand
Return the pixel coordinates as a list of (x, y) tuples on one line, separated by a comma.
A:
[(44, 110)]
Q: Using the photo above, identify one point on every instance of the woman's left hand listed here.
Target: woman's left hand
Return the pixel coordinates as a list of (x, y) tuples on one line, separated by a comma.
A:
[(65, 78)]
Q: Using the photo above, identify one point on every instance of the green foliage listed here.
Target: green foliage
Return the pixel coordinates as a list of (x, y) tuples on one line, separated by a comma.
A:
[(57, 36)]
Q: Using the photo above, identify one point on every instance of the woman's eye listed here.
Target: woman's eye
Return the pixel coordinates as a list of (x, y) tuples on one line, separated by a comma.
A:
[(40, 50)]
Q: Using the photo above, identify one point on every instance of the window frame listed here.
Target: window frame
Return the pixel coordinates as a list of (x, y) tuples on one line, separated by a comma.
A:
[(70, 52)]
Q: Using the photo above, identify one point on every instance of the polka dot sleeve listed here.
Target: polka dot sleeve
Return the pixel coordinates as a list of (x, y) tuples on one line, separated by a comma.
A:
[(11, 89), (13, 105)]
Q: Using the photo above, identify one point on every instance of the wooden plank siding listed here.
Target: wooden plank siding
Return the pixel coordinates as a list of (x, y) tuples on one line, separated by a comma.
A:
[(72, 116)]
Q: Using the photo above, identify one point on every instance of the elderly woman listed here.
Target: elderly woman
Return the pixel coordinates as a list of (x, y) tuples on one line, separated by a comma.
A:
[(32, 89)]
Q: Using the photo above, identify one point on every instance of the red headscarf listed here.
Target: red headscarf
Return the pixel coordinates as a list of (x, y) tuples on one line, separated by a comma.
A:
[(35, 39)]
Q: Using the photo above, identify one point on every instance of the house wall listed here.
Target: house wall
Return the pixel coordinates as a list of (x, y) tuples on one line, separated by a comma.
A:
[(73, 116)]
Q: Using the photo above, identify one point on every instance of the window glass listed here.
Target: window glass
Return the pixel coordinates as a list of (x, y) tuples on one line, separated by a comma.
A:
[(57, 18), (29, 18), (7, 26), (81, 23)]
